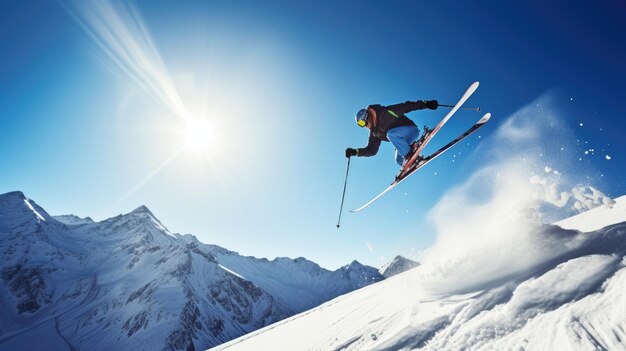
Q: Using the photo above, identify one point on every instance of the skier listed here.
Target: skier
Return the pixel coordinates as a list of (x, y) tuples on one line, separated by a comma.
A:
[(388, 123)]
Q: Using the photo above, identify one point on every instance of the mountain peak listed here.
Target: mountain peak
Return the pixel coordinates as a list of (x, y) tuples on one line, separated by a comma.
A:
[(17, 208), (354, 265), (13, 194), (142, 209), (142, 214), (398, 265)]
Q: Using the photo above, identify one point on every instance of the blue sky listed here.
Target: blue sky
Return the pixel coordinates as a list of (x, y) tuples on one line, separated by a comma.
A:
[(278, 83)]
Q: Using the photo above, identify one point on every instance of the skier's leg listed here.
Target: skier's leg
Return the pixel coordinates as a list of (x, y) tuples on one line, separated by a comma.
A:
[(402, 138)]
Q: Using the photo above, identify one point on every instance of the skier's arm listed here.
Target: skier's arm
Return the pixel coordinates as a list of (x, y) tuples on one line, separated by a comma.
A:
[(372, 147), (409, 106)]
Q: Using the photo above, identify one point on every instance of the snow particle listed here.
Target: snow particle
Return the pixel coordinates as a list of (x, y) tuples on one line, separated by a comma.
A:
[(608, 157), (581, 124), (547, 169)]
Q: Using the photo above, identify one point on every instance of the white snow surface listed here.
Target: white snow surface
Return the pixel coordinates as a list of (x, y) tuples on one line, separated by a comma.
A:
[(610, 213), (567, 294)]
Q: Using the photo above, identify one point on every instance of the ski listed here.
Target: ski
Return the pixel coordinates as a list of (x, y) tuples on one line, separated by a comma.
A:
[(472, 88), (427, 159)]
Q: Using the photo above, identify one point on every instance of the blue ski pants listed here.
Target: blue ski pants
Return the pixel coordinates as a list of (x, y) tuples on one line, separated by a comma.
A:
[(402, 138)]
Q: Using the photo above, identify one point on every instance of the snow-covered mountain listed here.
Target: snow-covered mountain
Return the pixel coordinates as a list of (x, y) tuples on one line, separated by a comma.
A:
[(128, 283), (299, 283), (396, 266), (567, 295)]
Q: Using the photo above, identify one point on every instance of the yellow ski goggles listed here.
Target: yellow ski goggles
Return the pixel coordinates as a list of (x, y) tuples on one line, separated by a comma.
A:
[(361, 117)]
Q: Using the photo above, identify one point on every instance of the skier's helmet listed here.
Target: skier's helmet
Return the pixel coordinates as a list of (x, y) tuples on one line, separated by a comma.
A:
[(361, 117)]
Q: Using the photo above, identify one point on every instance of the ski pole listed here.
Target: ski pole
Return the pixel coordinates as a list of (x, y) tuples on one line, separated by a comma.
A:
[(462, 108), (344, 192)]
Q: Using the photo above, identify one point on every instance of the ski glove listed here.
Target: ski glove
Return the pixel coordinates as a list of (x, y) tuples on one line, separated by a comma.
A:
[(431, 104), (350, 152)]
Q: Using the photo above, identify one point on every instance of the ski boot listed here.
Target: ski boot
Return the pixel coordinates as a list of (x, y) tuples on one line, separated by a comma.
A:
[(404, 167), (416, 145)]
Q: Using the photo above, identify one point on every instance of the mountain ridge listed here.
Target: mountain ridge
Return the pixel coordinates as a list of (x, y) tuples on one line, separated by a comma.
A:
[(137, 285)]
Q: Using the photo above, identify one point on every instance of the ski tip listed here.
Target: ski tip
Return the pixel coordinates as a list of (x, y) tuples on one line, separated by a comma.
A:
[(472, 88), (485, 118)]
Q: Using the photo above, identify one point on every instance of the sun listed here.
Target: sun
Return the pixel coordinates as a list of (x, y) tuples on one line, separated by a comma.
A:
[(198, 135)]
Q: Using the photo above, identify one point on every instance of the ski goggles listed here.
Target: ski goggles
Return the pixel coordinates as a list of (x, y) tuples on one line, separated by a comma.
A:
[(361, 117)]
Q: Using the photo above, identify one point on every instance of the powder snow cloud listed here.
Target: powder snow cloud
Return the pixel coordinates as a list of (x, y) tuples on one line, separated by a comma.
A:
[(493, 226)]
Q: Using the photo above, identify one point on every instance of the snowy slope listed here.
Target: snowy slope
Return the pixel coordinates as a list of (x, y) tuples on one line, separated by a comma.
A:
[(569, 296), (396, 266), (128, 283), (597, 218)]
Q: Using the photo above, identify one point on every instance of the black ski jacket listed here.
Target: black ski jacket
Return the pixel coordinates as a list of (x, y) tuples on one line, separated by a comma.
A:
[(388, 117)]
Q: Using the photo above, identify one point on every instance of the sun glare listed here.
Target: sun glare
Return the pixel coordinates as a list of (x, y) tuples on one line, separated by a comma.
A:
[(198, 135)]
